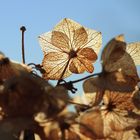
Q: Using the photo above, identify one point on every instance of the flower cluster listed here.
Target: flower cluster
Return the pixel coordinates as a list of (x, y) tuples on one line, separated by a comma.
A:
[(31, 108)]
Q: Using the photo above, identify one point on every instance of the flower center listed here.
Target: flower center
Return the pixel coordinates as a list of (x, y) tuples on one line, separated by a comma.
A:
[(111, 106), (72, 54)]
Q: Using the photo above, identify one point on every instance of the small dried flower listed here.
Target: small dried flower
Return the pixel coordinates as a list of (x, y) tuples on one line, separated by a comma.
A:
[(69, 48)]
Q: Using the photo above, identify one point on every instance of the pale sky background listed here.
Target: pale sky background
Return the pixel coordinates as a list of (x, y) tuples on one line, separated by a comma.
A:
[(111, 17)]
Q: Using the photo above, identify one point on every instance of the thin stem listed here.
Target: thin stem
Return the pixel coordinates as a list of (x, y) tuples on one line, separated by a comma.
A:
[(63, 72), (69, 85), (79, 80), (23, 29)]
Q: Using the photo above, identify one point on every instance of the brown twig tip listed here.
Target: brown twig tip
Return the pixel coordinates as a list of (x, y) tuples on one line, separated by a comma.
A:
[(22, 28)]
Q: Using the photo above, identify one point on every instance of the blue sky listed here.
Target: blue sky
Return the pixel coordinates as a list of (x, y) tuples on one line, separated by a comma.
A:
[(111, 17)]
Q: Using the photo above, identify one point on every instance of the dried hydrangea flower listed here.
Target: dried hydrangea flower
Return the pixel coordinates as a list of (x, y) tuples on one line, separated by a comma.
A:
[(61, 127), (22, 96), (25, 96), (116, 88), (69, 48), (116, 58), (119, 71), (111, 117), (10, 68)]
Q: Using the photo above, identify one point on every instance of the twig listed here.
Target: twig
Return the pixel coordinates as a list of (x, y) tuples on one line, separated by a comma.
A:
[(23, 29), (69, 85), (79, 80)]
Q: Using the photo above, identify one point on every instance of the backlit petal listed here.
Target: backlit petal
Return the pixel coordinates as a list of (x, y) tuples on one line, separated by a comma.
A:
[(80, 37), (60, 40), (80, 64), (89, 53), (134, 50), (56, 65)]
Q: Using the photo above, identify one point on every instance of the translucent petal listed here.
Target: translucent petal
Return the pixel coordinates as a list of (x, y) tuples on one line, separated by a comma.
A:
[(114, 81), (56, 65), (100, 123), (45, 41), (88, 53), (76, 66), (92, 124), (60, 40), (94, 40), (134, 50), (80, 37), (80, 64), (120, 100), (67, 26), (115, 58)]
